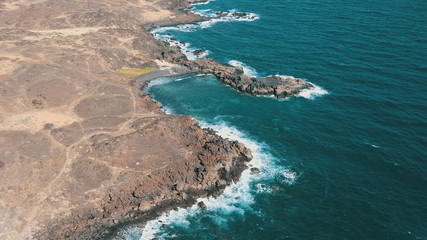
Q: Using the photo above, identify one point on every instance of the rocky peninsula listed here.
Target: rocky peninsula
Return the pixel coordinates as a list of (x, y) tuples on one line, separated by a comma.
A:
[(276, 86), (83, 151)]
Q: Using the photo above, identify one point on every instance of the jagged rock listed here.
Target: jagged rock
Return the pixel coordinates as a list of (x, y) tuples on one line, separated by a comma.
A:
[(199, 52), (202, 205), (255, 170), (277, 86)]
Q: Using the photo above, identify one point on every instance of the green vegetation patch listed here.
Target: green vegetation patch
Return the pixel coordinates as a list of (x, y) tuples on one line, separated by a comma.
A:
[(133, 72)]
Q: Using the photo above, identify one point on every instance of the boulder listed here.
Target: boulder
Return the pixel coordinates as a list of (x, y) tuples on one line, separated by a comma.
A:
[(202, 205)]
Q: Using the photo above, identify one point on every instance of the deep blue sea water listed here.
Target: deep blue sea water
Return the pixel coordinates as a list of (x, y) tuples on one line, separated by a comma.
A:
[(350, 164)]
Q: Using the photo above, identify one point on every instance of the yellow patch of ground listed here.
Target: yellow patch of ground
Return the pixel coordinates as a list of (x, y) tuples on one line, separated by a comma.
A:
[(133, 72)]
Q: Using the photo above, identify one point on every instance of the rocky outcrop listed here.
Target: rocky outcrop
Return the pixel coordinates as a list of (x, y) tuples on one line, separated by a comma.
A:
[(236, 15), (202, 205), (173, 162), (275, 86), (255, 170)]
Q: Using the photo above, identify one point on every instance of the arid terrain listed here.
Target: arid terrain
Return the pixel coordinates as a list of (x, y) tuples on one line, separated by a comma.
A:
[(83, 151)]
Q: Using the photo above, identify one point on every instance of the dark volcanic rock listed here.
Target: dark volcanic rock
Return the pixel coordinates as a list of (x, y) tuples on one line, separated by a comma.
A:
[(196, 163), (277, 86), (202, 205), (199, 52)]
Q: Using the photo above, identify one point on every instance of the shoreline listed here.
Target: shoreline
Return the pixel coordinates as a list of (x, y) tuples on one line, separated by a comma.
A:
[(235, 76), (92, 195), (91, 136)]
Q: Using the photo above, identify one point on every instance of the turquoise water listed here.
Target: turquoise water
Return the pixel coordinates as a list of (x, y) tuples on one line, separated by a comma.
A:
[(351, 164)]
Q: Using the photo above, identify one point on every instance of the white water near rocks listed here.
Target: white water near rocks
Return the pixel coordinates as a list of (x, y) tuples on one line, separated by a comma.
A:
[(238, 197), (248, 70), (189, 52)]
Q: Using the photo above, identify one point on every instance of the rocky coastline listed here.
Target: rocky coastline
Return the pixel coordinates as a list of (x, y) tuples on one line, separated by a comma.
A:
[(215, 163), (83, 151), (234, 76)]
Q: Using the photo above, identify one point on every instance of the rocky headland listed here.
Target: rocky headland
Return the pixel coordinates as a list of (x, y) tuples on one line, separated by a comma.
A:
[(234, 76)]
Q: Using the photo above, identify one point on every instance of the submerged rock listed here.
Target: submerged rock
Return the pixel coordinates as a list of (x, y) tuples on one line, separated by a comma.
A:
[(255, 170)]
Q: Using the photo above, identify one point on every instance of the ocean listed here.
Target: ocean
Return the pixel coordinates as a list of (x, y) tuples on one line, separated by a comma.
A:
[(346, 161)]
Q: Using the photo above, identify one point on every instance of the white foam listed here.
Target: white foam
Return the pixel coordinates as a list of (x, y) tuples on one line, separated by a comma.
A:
[(313, 92), (250, 71), (160, 32), (372, 145), (263, 188), (202, 3), (189, 27), (164, 80), (228, 17), (202, 12), (288, 176), (183, 46), (204, 54)]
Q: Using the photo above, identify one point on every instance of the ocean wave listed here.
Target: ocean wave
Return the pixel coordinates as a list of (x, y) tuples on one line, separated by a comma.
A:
[(214, 17), (160, 33), (287, 176), (188, 27), (229, 16), (250, 71), (312, 93), (263, 188), (165, 80), (202, 2)]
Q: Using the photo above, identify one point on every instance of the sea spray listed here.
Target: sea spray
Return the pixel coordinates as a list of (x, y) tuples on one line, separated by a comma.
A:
[(312, 93), (248, 70)]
